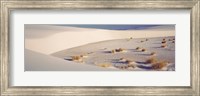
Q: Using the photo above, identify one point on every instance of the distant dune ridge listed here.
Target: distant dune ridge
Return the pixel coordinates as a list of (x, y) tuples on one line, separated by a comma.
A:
[(90, 49), (49, 39)]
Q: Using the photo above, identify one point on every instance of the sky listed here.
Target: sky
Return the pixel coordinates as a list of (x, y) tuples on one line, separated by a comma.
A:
[(116, 27)]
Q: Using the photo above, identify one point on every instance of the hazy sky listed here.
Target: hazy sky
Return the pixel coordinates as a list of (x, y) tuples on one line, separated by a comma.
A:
[(117, 27)]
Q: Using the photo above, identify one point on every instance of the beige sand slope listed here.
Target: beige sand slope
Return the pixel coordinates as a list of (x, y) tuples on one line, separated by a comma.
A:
[(48, 39), (39, 62), (99, 53), (49, 47)]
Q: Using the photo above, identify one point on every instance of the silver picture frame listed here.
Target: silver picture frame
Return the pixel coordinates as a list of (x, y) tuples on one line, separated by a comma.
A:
[(6, 6)]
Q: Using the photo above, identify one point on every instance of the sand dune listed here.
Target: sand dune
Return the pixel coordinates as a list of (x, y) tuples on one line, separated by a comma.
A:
[(48, 39), (99, 53), (62, 48), (39, 62)]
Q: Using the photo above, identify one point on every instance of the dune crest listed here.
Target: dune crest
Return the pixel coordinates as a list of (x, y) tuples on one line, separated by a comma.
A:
[(48, 39)]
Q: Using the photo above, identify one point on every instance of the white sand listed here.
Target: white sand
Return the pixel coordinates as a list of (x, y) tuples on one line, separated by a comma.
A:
[(100, 52), (48, 39), (48, 45), (39, 62)]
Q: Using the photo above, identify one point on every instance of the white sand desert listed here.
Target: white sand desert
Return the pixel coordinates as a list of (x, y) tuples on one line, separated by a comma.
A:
[(60, 48)]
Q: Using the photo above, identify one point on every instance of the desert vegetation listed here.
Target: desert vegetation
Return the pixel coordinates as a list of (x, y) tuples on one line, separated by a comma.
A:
[(113, 51), (143, 50), (153, 53), (105, 65), (163, 45), (163, 42), (151, 60), (77, 59), (164, 39), (144, 55), (156, 64), (138, 48), (130, 38), (159, 65), (83, 56), (118, 50)]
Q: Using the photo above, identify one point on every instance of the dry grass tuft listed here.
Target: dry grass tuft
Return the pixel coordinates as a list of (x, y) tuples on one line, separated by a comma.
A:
[(83, 56), (152, 60), (141, 41), (159, 65), (120, 50), (169, 39), (164, 39), (74, 58), (105, 65), (153, 53), (164, 42), (122, 59), (131, 65), (77, 59), (90, 52), (129, 61), (164, 46), (143, 50), (147, 39), (138, 48), (113, 51)]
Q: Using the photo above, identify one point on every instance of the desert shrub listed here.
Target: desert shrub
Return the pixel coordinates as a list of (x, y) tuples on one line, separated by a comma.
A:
[(128, 61), (159, 65), (173, 41), (122, 59), (105, 65), (83, 56), (123, 67), (164, 41), (169, 39), (131, 65), (141, 41), (147, 39), (164, 46), (113, 51), (138, 48), (143, 50), (151, 60), (75, 58), (173, 38), (153, 53), (90, 52), (119, 50)]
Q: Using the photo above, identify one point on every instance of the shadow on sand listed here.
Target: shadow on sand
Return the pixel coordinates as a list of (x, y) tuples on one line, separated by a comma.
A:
[(144, 67)]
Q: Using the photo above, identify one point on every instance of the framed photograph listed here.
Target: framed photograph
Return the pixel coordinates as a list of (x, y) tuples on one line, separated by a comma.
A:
[(100, 47)]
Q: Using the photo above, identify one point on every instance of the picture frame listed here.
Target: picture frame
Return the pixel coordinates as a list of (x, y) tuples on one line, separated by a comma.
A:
[(8, 5)]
